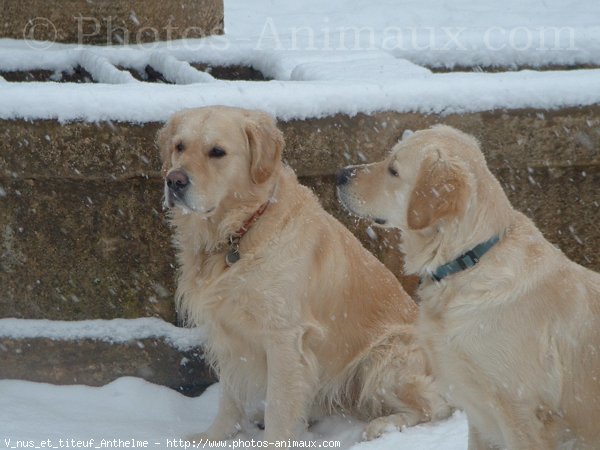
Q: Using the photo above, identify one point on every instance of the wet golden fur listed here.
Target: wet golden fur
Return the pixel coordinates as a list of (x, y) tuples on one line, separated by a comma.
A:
[(516, 338), (307, 319)]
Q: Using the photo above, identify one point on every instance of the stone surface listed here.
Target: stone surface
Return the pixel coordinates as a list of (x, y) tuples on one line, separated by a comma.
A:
[(83, 235), (84, 249), (564, 202), (96, 363), (77, 151), (522, 138), (109, 22)]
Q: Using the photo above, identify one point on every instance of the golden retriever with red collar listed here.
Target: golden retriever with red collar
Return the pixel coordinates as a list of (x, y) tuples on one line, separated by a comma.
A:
[(297, 313), (511, 326)]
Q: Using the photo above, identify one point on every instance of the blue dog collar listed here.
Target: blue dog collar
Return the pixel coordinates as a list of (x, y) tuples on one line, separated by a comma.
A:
[(464, 261)]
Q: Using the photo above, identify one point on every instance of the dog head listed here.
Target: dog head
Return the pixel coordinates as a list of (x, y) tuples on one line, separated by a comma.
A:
[(215, 154), (425, 181)]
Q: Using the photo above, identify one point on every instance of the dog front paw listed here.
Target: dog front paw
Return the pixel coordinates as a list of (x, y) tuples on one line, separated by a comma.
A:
[(376, 428), (387, 424)]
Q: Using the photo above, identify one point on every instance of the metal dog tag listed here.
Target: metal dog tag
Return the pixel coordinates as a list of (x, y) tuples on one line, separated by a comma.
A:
[(232, 256)]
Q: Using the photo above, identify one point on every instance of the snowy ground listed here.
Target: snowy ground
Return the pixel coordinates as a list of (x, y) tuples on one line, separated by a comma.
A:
[(133, 409)]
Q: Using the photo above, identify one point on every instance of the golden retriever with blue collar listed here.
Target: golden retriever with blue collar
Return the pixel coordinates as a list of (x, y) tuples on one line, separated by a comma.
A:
[(511, 326), (298, 315)]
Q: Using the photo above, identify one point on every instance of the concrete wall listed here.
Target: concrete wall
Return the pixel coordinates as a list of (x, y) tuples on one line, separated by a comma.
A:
[(107, 22)]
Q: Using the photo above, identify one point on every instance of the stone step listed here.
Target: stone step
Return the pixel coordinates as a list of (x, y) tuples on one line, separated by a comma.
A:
[(96, 363), (95, 352)]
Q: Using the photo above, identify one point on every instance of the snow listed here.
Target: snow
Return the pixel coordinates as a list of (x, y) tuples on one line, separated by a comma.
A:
[(133, 409), (102, 70), (441, 93), (112, 331), (355, 69), (179, 72), (342, 56), (434, 33)]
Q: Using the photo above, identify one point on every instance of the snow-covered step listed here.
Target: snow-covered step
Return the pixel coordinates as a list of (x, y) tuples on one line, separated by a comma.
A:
[(280, 64), (102, 71), (444, 93), (176, 71), (385, 70), (95, 352), (115, 331)]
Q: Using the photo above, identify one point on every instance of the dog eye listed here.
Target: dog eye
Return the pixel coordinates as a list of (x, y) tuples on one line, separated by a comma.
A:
[(180, 147), (392, 171), (216, 152)]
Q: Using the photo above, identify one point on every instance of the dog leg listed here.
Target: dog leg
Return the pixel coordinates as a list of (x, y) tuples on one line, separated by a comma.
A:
[(226, 424), (290, 390), (394, 380), (398, 421), (414, 403)]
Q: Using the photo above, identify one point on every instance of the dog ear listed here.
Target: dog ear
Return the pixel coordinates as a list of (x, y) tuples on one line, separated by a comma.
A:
[(439, 193), (266, 144), (162, 140)]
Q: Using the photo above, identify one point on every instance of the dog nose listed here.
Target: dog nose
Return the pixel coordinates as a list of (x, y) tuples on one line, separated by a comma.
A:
[(343, 176), (177, 180)]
